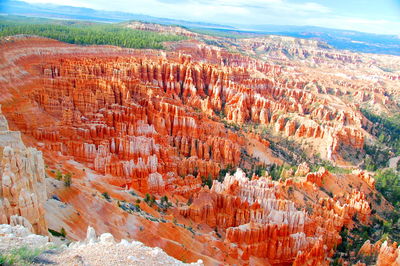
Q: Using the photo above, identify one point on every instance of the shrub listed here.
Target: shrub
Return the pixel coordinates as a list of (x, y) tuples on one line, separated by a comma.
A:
[(260, 170), (222, 173), (386, 128), (58, 234), (164, 199), (331, 168), (67, 180), (275, 171), (388, 183), (378, 199), (206, 181), (147, 198), (195, 171), (165, 203), (152, 200), (190, 229), (106, 196), (20, 256), (63, 232), (376, 157), (59, 175), (216, 232), (190, 201)]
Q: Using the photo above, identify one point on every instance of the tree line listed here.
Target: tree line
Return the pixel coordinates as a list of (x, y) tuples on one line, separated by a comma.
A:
[(89, 34)]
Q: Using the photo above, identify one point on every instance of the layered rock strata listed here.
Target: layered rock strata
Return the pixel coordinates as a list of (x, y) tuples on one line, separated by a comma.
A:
[(260, 223), (136, 115), (166, 123)]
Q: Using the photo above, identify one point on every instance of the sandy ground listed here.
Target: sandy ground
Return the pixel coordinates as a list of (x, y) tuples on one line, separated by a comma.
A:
[(261, 152)]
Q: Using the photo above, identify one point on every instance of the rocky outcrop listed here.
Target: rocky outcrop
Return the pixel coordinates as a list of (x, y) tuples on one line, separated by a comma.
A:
[(389, 254), (101, 250), (256, 218), (165, 123), (22, 184), (316, 177), (106, 114), (289, 48), (386, 253), (263, 225), (116, 126), (18, 236), (303, 169), (366, 177)]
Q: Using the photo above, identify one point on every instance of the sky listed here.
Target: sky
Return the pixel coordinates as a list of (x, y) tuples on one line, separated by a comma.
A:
[(375, 16)]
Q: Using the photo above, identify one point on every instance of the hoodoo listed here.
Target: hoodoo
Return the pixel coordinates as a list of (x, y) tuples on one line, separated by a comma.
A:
[(215, 150)]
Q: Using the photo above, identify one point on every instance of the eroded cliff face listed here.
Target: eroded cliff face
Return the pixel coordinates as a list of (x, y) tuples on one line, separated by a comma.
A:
[(22, 182), (387, 253), (259, 220), (283, 48), (126, 101), (131, 122)]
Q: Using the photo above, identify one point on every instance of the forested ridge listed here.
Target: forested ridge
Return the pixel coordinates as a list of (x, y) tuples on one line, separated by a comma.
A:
[(89, 34)]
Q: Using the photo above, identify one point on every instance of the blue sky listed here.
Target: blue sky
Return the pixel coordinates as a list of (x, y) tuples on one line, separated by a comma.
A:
[(377, 16)]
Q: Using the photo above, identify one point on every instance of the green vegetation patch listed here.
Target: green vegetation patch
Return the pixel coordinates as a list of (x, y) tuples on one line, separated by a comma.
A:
[(106, 196), (20, 256), (88, 33), (386, 129), (330, 167), (376, 157), (229, 169), (388, 183), (206, 181), (62, 233)]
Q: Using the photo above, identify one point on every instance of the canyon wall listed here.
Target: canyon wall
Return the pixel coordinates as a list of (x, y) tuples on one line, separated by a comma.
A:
[(22, 182), (168, 123), (260, 222)]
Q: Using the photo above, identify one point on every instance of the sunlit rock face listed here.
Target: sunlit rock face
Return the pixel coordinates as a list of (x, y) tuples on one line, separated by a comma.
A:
[(130, 122), (121, 110), (22, 182), (260, 222), (387, 253)]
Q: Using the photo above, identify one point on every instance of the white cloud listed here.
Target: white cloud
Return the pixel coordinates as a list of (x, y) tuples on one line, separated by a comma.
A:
[(380, 26), (77, 3), (310, 6)]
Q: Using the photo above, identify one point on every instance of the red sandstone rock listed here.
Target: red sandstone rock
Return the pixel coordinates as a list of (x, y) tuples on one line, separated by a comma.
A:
[(252, 216), (148, 121), (365, 177)]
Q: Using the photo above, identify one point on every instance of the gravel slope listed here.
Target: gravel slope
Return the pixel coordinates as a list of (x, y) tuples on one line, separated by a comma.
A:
[(102, 250)]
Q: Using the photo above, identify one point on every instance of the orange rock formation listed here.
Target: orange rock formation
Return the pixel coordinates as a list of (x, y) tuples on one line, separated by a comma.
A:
[(22, 182), (131, 122)]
